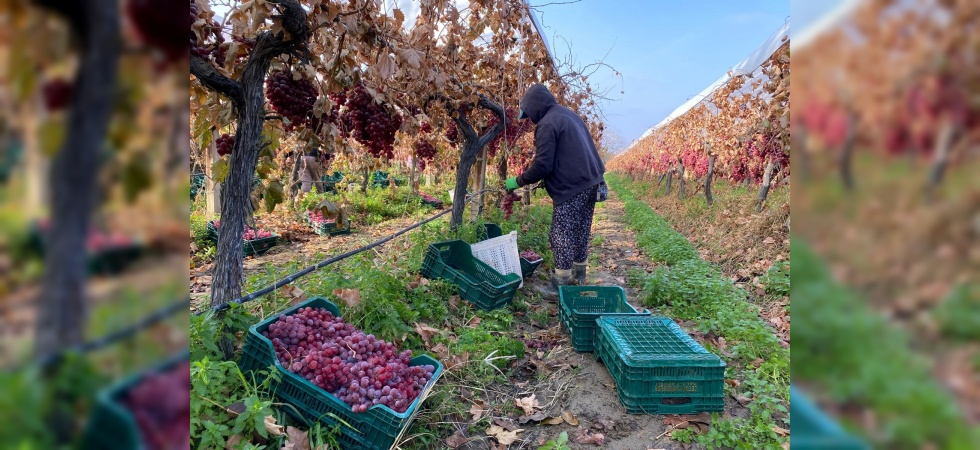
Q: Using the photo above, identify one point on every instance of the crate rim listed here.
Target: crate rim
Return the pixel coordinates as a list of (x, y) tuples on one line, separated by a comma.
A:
[(514, 278), (412, 408)]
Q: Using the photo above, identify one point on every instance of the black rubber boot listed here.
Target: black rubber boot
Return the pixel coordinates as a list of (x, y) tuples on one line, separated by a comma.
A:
[(561, 278), (578, 271)]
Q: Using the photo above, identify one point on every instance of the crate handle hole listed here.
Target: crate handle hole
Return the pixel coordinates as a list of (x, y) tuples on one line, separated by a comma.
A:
[(588, 294), (675, 400)]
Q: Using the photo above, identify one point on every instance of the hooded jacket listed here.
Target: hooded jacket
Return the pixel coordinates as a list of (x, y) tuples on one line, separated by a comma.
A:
[(565, 156)]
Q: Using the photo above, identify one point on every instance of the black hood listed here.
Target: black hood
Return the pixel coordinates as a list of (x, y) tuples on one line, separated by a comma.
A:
[(537, 101)]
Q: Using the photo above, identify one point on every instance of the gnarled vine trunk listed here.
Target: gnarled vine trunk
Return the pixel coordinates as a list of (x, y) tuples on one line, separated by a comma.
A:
[(707, 180), (680, 180), (766, 183), (472, 144), (61, 307), (941, 155)]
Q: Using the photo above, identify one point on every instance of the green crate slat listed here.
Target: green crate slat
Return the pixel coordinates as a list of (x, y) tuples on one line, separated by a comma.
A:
[(375, 429), (652, 359), (476, 281), (492, 230), (580, 306), (813, 430), (111, 426)]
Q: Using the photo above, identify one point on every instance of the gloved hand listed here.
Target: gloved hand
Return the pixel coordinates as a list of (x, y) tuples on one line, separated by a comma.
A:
[(511, 183)]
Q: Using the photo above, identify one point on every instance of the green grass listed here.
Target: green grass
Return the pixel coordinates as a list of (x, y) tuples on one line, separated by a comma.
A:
[(857, 357), (686, 287)]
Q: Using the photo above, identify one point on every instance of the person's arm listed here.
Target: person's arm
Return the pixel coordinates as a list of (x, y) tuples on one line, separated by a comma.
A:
[(545, 140)]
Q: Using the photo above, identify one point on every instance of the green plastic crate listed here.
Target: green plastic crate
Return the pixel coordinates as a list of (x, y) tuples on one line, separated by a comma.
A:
[(580, 306), (813, 430), (477, 282), (256, 247), (111, 426), (658, 368), (492, 230), (377, 428), (326, 228), (110, 261)]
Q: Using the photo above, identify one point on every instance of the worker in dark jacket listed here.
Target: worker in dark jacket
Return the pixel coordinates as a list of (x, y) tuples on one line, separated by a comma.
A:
[(566, 158)]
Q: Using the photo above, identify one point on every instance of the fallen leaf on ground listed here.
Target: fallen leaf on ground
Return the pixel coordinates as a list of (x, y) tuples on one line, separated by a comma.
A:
[(504, 437), (780, 431), (426, 332), (553, 421), (506, 424), (477, 411), (537, 417), (457, 440), (584, 436), (296, 439), (604, 424), (295, 294), (474, 322), (529, 404), (233, 441), (350, 296), (569, 418), (272, 427)]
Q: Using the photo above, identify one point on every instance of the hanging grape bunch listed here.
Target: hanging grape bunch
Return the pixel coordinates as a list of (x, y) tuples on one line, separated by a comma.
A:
[(212, 32), (452, 133), (225, 144), (158, 24), (424, 151), (512, 132), (293, 99), (370, 123), (508, 203), (56, 93)]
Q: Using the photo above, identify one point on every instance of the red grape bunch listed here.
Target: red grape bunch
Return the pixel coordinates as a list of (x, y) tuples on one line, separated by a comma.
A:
[(293, 99), (225, 144), (424, 151), (57, 93), (250, 233), (508, 203), (530, 255), (158, 24), (370, 123), (359, 369), (452, 133), (160, 403), (212, 32), (317, 218), (513, 131)]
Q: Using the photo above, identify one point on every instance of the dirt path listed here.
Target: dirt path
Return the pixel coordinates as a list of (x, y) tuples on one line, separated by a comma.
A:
[(587, 390)]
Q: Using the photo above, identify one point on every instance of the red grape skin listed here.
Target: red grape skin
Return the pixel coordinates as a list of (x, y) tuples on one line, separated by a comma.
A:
[(360, 370)]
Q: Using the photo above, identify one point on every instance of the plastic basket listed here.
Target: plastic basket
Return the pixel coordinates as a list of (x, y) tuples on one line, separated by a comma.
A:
[(377, 428), (255, 247), (500, 253), (476, 281), (658, 368), (580, 306), (326, 228), (813, 430), (108, 261), (492, 230), (111, 426)]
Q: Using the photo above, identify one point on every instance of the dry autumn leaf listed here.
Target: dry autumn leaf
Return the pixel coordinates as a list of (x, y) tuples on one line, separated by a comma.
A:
[(272, 427), (457, 440), (350, 297), (504, 437), (529, 404), (296, 439), (569, 418), (426, 332), (293, 293), (477, 411)]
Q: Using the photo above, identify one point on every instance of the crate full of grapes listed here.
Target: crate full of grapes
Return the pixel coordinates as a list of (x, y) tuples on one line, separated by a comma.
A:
[(338, 375), (148, 410), (257, 241), (325, 227), (108, 252)]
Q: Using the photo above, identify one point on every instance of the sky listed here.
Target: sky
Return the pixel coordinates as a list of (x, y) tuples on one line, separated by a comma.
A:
[(667, 52)]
